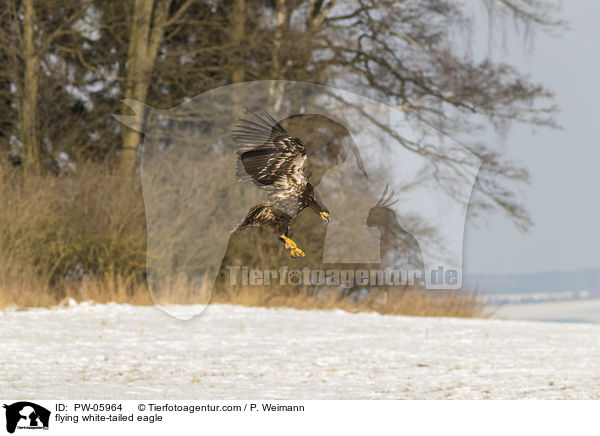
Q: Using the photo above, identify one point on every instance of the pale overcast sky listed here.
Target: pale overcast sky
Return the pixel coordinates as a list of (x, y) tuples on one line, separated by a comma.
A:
[(565, 164)]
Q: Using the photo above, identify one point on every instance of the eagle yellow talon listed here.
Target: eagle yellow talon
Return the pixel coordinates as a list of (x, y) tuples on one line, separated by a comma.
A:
[(291, 245), (296, 252), (325, 216)]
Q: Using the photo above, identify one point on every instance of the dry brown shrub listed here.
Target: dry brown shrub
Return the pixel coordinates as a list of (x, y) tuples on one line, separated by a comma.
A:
[(402, 301)]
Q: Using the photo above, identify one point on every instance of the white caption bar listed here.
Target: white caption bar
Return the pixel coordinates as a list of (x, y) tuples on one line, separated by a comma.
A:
[(149, 417)]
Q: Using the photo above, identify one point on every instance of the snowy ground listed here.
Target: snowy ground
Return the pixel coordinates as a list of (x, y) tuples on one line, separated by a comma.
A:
[(125, 352)]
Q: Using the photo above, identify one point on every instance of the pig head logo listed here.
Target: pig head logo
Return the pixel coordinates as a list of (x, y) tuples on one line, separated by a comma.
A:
[(379, 174)]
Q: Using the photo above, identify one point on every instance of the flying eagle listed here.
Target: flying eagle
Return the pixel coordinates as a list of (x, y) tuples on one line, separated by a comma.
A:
[(275, 161)]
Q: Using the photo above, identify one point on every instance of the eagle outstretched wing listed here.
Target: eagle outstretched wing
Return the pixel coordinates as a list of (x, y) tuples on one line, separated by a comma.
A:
[(268, 156)]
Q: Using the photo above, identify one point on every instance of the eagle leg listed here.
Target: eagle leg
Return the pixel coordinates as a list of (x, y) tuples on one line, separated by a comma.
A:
[(291, 245)]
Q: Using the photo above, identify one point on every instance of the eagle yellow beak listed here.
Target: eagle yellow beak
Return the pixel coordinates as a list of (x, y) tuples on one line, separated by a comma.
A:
[(325, 216)]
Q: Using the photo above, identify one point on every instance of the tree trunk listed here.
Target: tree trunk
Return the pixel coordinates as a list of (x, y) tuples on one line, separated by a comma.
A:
[(147, 31), (28, 104), (238, 72), (276, 89)]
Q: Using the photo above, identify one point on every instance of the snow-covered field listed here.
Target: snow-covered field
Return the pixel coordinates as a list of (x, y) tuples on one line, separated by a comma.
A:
[(124, 352)]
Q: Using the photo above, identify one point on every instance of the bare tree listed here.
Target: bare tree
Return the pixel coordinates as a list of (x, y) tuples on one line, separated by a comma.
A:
[(411, 55), (27, 39), (148, 24)]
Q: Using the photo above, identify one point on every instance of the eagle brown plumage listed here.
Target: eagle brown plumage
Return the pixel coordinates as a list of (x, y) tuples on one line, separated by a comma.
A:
[(277, 162)]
